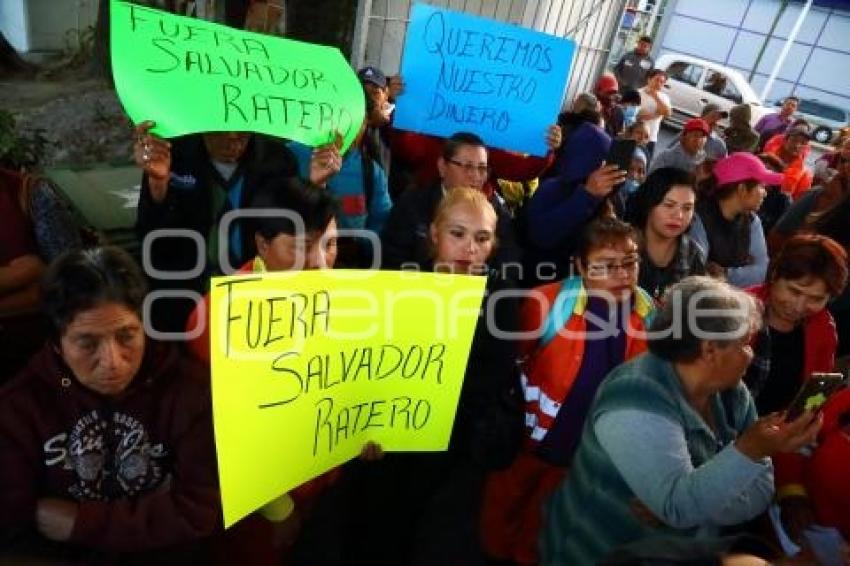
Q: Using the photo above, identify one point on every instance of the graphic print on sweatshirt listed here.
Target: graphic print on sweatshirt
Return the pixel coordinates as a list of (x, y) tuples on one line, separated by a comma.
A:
[(110, 454)]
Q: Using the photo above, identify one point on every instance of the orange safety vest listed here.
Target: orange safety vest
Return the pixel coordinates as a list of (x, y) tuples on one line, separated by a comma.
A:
[(549, 372)]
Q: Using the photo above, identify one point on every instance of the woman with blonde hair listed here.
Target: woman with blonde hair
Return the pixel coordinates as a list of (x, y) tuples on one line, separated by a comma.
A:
[(462, 234), (423, 508)]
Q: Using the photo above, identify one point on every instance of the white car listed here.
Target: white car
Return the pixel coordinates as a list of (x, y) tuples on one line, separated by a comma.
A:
[(692, 83), (826, 119)]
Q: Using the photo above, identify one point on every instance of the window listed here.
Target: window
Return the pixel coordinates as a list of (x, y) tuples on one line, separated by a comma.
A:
[(816, 108), (685, 72), (721, 85)]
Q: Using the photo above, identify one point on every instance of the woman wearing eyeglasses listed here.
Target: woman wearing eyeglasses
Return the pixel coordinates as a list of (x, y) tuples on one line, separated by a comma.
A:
[(405, 241), (662, 210), (584, 327)]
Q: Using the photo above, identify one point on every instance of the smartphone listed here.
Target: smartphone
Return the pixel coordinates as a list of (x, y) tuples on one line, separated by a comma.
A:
[(814, 393), (621, 153)]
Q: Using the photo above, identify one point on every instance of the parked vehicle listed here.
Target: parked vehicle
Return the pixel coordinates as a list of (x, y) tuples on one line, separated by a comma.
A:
[(826, 119), (692, 83)]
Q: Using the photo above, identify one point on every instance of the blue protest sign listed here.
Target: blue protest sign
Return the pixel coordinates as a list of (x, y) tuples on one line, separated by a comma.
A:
[(465, 73)]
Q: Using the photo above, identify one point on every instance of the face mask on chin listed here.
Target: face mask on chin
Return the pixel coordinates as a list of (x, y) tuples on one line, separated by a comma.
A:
[(630, 114), (630, 186), (387, 110)]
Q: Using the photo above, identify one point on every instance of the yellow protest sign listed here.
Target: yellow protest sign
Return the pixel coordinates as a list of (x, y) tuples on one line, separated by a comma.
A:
[(309, 366)]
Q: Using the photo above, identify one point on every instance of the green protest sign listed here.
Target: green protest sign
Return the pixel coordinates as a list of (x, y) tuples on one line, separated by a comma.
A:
[(189, 76)]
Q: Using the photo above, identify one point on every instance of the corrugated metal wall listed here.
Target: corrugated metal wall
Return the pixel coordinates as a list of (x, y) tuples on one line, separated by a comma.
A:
[(382, 24)]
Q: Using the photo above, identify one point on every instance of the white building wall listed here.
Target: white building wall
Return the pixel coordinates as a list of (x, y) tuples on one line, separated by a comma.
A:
[(46, 25), (13, 23), (731, 32)]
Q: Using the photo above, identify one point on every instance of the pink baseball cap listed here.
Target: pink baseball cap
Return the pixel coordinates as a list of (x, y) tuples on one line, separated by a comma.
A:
[(742, 166)]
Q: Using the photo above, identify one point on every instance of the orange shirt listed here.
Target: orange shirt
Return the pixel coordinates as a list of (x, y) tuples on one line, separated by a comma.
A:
[(797, 177)]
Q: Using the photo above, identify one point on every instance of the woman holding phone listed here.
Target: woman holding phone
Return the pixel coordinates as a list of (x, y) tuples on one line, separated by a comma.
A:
[(797, 340), (672, 443), (798, 337)]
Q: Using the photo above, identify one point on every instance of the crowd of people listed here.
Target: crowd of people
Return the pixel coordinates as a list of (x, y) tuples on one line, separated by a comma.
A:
[(669, 312)]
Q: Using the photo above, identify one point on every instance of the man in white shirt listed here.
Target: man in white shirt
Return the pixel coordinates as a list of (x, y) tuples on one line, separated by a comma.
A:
[(655, 105)]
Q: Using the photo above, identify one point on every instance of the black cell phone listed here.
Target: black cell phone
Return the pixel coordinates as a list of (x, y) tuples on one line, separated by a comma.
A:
[(621, 153), (814, 393)]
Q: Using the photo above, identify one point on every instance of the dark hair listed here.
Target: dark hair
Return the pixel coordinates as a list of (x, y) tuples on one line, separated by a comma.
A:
[(314, 205), (645, 38), (79, 280), (772, 162), (792, 97), (370, 102), (631, 96), (653, 190), (709, 189), (634, 126), (811, 255), (570, 121), (654, 72), (458, 139), (833, 222), (797, 122), (603, 232)]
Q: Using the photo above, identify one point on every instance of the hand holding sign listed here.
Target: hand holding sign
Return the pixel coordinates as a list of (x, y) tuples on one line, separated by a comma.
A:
[(371, 452), (195, 76), (325, 162), (153, 155), (554, 137)]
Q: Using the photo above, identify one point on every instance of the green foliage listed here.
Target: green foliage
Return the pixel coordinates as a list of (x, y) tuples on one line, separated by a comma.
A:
[(79, 46), (20, 150), (78, 53)]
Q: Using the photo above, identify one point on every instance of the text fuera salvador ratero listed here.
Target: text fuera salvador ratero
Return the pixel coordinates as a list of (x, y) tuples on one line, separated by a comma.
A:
[(198, 50), (298, 316)]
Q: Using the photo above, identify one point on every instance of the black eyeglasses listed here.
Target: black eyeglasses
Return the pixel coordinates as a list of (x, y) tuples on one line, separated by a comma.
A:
[(471, 167), (628, 265)]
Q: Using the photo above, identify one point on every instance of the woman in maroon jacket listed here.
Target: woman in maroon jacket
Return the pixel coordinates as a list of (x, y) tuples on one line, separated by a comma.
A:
[(106, 438)]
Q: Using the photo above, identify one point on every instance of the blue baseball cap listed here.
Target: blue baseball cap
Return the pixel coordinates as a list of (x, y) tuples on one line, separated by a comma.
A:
[(372, 75)]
